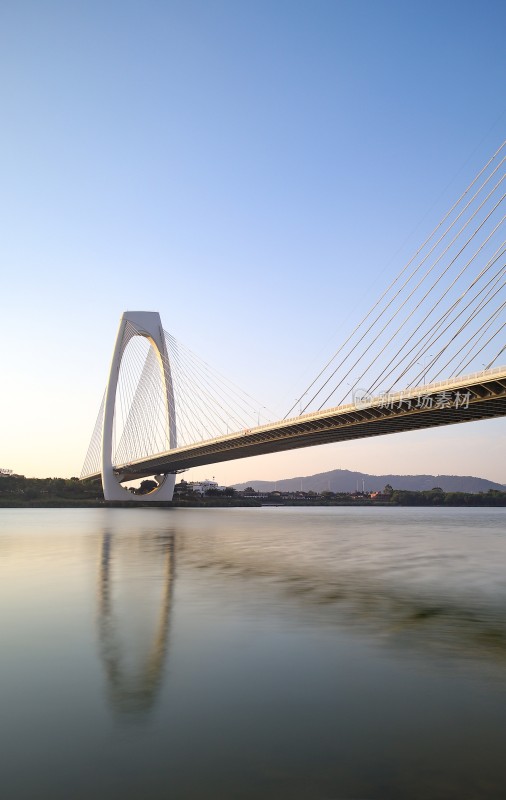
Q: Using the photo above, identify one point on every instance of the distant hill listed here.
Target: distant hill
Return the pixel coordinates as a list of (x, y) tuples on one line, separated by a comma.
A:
[(344, 480)]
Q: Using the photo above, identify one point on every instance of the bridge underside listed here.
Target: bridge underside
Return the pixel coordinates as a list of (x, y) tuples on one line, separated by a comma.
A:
[(463, 400)]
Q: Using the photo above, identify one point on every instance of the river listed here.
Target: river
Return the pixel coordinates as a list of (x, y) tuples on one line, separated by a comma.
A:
[(333, 653)]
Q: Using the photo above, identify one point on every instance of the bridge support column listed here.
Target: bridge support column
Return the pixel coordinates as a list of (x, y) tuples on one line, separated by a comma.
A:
[(149, 325)]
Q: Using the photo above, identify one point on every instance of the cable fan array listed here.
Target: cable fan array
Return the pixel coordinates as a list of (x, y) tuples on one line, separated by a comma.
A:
[(201, 403), (442, 316)]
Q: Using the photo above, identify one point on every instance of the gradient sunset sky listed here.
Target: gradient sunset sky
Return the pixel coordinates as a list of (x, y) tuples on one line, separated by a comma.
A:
[(254, 171)]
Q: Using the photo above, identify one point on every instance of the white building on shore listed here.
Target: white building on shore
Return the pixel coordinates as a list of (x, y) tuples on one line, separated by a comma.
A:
[(203, 486)]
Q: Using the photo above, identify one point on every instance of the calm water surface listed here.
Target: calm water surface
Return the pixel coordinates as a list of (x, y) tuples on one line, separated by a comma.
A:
[(349, 653)]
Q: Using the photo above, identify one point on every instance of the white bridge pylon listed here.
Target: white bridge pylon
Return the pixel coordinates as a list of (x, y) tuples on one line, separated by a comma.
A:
[(148, 325)]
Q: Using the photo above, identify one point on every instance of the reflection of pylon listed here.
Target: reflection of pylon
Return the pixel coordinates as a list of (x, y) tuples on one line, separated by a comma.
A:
[(147, 324), (137, 694)]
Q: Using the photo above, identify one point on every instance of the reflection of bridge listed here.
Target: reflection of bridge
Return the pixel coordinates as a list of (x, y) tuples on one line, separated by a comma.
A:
[(165, 410), (136, 584), (134, 669)]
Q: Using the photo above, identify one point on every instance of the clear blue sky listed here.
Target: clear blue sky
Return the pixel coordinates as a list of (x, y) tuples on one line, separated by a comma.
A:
[(254, 171)]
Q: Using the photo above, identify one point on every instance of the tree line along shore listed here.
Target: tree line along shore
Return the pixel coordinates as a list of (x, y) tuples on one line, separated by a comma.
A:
[(17, 491)]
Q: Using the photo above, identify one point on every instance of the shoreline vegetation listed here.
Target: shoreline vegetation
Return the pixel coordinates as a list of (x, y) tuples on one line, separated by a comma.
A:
[(17, 491)]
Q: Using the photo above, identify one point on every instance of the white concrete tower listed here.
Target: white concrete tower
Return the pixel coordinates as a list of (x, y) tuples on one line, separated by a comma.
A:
[(149, 325)]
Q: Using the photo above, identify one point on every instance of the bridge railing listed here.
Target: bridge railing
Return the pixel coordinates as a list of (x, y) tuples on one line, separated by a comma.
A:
[(428, 388)]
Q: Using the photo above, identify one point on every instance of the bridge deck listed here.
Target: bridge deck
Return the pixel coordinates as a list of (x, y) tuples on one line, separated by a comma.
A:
[(470, 398)]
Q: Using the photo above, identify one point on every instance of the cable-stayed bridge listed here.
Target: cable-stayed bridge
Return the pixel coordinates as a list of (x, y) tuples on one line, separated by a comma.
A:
[(426, 354)]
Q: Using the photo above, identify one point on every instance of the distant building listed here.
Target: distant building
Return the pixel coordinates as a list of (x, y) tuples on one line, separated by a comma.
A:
[(203, 486)]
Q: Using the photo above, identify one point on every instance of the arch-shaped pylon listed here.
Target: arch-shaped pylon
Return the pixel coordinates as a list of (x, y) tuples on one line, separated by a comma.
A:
[(149, 325)]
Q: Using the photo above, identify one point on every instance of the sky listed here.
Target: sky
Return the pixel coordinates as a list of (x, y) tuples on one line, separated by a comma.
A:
[(254, 171)]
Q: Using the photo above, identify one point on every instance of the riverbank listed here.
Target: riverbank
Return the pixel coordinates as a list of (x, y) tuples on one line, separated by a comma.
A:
[(472, 501), (17, 491)]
